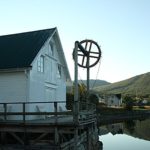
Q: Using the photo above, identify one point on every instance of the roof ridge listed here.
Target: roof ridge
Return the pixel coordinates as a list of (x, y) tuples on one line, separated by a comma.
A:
[(14, 34)]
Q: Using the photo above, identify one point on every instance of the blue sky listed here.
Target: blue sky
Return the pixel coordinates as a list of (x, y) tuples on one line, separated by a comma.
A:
[(120, 27)]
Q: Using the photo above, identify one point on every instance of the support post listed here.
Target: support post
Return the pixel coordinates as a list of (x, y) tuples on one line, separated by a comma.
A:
[(76, 99), (24, 110), (88, 87), (3, 138), (25, 137), (76, 138), (88, 139), (56, 135), (55, 110), (5, 111)]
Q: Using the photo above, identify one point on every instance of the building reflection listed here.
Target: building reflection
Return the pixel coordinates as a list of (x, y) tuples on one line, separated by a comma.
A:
[(116, 128), (135, 128)]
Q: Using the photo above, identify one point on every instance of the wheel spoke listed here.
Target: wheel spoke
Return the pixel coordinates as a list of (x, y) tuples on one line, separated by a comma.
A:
[(90, 47), (94, 52), (94, 57), (83, 60), (86, 45), (81, 55)]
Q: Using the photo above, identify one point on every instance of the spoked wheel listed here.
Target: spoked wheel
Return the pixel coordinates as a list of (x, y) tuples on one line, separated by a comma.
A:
[(89, 53)]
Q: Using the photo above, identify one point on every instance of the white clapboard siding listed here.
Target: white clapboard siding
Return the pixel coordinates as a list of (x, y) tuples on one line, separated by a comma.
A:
[(13, 87)]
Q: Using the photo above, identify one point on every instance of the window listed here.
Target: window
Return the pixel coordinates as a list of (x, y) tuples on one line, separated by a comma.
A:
[(112, 101), (59, 71), (40, 64), (51, 49)]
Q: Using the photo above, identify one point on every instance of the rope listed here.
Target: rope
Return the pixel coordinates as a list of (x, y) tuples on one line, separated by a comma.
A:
[(96, 75), (94, 80), (81, 79)]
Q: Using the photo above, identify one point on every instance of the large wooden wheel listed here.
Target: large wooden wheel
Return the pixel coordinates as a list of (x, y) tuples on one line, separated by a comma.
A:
[(89, 53)]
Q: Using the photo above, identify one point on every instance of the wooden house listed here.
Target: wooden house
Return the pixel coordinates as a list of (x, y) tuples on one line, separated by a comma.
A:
[(32, 69), (113, 100)]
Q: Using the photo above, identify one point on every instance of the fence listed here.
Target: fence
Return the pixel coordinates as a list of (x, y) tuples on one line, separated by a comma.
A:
[(24, 111)]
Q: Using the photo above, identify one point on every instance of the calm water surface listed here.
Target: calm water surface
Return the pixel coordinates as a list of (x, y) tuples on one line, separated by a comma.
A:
[(130, 135)]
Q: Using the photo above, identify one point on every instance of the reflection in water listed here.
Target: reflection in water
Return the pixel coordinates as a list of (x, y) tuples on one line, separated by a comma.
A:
[(124, 135), (130, 126), (115, 128), (139, 129)]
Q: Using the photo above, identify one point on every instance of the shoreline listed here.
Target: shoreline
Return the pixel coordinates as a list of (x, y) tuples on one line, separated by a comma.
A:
[(105, 118)]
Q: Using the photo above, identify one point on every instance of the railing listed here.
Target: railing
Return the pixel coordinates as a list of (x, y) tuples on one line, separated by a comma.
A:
[(86, 111), (24, 111)]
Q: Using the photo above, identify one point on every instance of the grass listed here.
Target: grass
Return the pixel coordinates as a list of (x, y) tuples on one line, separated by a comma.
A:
[(141, 108), (135, 85), (119, 110)]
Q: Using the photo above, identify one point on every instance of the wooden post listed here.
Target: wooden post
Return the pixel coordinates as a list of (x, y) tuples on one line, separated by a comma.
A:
[(56, 121), (76, 99), (55, 110), (25, 137), (88, 139), (76, 138), (5, 111), (88, 87), (3, 138), (88, 76), (24, 110)]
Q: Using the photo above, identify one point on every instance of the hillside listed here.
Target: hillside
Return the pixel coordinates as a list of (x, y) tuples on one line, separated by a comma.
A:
[(94, 83), (138, 85)]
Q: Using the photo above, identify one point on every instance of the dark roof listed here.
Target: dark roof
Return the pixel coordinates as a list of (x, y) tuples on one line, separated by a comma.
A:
[(19, 50)]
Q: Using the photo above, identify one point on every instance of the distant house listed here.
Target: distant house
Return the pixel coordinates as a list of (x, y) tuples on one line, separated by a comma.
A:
[(113, 99), (142, 102), (101, 98), (145, 101), (33, 68)]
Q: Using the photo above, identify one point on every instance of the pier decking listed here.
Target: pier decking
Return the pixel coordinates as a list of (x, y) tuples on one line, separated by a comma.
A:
[(54, 129)]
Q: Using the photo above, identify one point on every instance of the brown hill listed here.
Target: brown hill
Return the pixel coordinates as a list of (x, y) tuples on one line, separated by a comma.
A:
[(138, 85)]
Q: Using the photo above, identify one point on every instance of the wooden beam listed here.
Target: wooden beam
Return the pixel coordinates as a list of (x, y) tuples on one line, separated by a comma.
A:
[(56, 136), (39, 138), (63, 137), (3, 138), (37, 113), (17, 138), (36, 129), (76, 138)]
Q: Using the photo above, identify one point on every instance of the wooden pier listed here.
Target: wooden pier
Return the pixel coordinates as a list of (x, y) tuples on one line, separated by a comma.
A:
[(51, 130)]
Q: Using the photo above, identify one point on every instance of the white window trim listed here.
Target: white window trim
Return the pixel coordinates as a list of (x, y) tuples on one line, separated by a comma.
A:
[(51, 49), (40, 64), (59, 71)]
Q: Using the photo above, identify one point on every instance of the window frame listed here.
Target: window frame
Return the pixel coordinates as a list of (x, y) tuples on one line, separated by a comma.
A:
[(40, 64), (59, 71), (51, 49)]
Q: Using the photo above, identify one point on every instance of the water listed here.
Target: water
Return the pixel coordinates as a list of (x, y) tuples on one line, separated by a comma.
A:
[(129, 135)]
